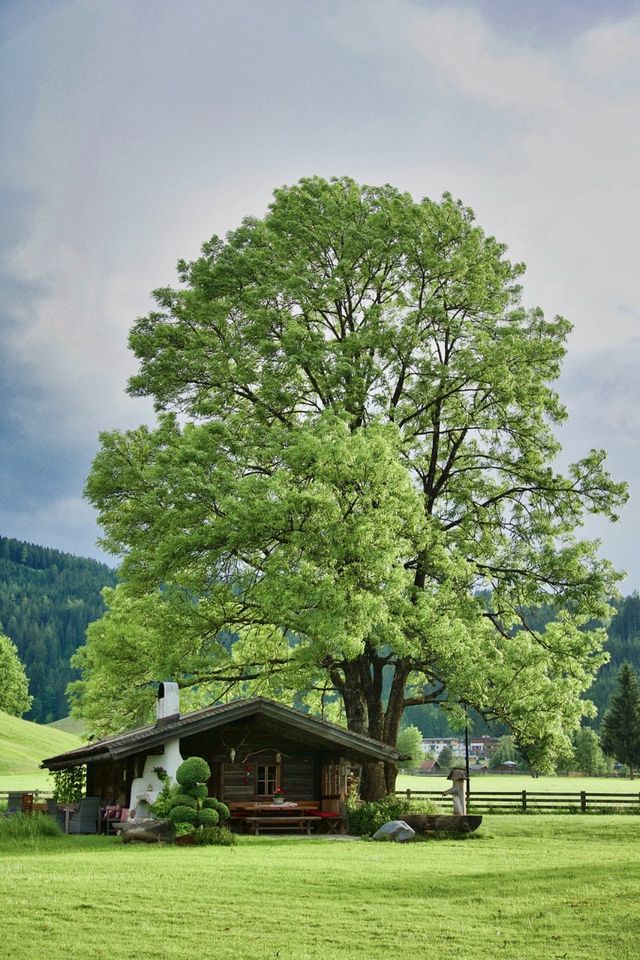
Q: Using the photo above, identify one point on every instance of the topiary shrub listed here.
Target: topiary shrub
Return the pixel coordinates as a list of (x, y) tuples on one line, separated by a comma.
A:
[(181, 799), (221, 808), (207, 817), (193, 771), (366, 818), (199, 792), (187, 804), (183, 814)]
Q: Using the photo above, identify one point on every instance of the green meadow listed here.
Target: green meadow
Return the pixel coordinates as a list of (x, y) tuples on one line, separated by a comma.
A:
[(509, 782), (22, 746), (522, 888)]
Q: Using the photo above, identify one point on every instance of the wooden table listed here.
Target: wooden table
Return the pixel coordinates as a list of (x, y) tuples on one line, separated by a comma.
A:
[(281, 823)]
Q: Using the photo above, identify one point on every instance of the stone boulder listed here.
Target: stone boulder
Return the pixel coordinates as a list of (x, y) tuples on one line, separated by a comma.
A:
[(396, 830), (148, 830)]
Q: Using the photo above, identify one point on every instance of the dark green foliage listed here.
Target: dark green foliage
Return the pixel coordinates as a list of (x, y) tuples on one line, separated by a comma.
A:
[(623, 646), (221, 808), (183, 814), (185, 800), (185, 829), (199, 792), (207, 817), (446, 758), (182, 799), (621, 725), (69, 784), (215, 836), (47, 598), (366, 818), (193, 771), (165, 800)]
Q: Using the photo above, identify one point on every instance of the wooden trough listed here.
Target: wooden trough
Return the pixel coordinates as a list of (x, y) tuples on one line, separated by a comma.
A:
[(430, 823)]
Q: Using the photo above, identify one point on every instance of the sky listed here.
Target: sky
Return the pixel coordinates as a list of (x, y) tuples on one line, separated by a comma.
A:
[(131, 131)]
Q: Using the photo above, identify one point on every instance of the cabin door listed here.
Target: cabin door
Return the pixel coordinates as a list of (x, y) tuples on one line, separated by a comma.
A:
[(334, 787)]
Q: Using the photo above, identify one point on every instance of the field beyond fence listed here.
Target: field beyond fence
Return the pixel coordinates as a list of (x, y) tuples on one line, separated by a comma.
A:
[(536, 801)]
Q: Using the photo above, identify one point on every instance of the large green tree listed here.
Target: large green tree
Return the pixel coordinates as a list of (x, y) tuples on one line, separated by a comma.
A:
[(355, 438), (621, 724), (14, 685)]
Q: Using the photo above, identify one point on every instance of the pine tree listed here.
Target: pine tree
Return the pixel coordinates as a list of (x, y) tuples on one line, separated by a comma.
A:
[(621, 725)]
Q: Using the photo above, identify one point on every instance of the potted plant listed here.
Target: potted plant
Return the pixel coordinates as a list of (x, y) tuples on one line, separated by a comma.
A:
[(279, 795)]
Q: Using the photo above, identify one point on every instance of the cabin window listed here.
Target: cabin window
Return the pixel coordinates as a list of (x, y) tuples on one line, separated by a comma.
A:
[(267, 779)]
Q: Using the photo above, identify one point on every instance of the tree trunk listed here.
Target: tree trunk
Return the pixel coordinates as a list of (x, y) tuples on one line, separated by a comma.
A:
[(361, 692), (372, 781), (390, 774)]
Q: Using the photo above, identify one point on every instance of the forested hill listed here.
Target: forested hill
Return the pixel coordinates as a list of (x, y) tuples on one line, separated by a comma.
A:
[(623, 644), (47, 598)]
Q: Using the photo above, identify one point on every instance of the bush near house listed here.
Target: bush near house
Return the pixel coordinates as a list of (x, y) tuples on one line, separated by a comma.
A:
[(188, 804), (366, 818)]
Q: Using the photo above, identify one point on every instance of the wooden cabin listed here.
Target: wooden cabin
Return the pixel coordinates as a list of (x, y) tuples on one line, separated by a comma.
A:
[(255, 748)]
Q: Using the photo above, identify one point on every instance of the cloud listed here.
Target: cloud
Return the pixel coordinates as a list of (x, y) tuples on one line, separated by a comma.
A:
[(135, 131)]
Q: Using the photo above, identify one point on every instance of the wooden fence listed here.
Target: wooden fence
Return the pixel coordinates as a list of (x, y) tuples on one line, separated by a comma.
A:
[(532, 801), (38, 795)]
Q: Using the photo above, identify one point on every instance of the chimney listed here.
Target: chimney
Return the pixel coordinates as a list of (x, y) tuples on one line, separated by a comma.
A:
[(168, 705)]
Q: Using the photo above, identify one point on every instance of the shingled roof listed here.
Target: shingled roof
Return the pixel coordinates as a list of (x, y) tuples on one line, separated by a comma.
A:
[(154, 735)]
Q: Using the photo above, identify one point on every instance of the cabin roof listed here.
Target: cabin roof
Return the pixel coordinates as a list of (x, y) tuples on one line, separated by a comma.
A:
[(198, 721)]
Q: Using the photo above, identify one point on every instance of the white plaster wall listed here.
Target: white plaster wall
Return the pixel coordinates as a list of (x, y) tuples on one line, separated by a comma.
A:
[(146, 788)]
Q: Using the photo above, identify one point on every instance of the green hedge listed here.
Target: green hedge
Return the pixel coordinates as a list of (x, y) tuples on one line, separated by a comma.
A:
[(366, 818)]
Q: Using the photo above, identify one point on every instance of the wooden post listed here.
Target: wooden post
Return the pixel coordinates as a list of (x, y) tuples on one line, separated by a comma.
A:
[(583, 801), (524, 801)]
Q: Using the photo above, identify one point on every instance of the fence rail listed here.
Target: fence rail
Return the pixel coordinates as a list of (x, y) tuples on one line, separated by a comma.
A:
[(40, 794), (530, 800)]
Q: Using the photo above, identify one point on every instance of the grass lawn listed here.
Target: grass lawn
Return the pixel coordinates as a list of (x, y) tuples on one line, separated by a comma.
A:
[(550, 887)]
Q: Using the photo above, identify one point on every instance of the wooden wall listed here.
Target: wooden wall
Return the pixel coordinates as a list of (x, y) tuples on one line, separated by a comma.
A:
[(307, 772), (256, 743)]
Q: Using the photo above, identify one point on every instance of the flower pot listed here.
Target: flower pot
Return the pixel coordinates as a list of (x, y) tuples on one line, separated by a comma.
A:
[(278, 800)]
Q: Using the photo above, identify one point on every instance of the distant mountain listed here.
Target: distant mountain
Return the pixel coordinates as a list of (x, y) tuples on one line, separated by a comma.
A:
[(23, 745), (47, 598)]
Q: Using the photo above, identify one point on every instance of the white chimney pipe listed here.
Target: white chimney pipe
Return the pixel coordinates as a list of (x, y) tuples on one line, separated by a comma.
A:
[(168, 704)]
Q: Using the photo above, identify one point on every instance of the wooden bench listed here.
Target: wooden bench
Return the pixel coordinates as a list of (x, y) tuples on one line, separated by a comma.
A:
[(281, 823)]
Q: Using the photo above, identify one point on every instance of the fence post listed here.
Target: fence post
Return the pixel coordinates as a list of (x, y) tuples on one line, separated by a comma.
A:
[(524, 801), (583, 801), (408, 793)]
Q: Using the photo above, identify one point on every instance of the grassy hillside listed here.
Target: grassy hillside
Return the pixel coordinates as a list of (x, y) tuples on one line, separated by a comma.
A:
[(69, 725), (23, 745)]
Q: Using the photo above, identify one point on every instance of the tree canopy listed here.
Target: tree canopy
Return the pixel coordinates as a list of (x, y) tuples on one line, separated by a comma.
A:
[(355, 439), (14, 685)]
